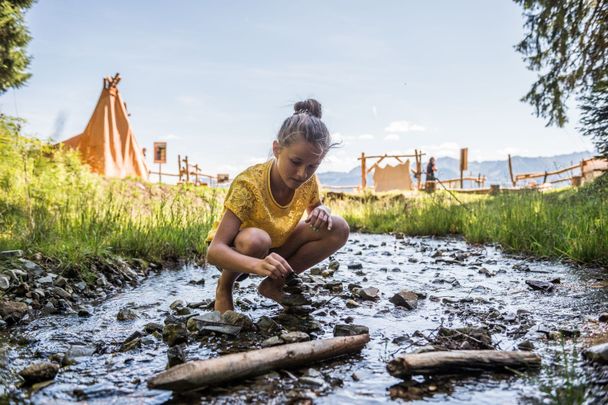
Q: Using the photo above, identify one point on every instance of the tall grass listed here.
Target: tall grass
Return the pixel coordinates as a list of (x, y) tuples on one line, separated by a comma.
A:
[(569, 224), (51, 204)]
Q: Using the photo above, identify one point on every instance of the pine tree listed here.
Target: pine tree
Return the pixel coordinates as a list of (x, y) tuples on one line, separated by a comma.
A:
[(14, 38)]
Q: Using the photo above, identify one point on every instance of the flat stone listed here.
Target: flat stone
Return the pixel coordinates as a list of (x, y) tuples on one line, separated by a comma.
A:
[(11, 253), (131, 345), (212, 322), (237, 319), (350, 330), (272, 341), (369, 293), (39, 372), (32, 267), (526, 346), (85, 310), (355, 266), (597, 353), (45, 280), (151, 327), (405, 298), (80, 286), (603, 317), (293, 337), (177, 304), (61, 293), (293, 300), (539, 285)]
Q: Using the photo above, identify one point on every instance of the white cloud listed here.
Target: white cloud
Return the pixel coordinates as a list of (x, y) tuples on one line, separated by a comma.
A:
[(403, 126), (450, 149), (392, 137), (375, 111), (366, 136)]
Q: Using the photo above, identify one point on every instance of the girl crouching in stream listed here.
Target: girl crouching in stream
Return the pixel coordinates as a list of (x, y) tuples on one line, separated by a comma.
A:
[(261, 231)]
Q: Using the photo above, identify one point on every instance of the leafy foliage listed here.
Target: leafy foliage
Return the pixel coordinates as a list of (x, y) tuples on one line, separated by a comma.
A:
[(567, 43), (14, 38)]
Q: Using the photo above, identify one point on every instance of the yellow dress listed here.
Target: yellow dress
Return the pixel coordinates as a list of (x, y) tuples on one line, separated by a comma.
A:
[(251, 200)]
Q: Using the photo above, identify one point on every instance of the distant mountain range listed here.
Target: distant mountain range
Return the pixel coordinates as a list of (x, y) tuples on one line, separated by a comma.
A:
[(496, 171)]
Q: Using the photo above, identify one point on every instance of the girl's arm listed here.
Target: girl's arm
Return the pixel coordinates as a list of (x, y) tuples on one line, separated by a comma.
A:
[(222, 254)]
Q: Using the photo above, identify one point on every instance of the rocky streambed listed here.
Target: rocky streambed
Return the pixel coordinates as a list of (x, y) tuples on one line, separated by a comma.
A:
[(411, 294)]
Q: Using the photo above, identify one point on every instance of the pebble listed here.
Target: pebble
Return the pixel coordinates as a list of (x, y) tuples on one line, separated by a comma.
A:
[(175, 356), (352, 304), (126, 314), (293, 337), (39, 372), (405, 298), (272, 341), (5, 283)]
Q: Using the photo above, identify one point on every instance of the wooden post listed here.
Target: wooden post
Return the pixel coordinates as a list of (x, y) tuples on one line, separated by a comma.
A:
[(511, 170), (159, 173), (187, 169), (363, 172), (418, 167), (179, 168)]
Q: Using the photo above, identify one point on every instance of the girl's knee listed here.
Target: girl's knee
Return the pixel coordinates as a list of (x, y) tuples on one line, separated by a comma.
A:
[(253, 242), (340, 230)]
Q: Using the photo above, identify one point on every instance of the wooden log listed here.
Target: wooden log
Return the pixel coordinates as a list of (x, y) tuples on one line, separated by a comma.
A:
[(462, 361), (199, 374)]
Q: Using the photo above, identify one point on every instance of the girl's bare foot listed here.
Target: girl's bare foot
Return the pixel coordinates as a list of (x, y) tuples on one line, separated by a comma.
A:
[(223, 296), (271, 289)]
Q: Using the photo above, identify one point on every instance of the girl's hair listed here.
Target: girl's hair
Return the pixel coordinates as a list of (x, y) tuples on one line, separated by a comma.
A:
[(306, 122)]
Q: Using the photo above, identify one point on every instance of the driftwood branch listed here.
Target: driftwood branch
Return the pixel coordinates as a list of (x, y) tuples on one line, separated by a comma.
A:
[(460, 362), (196, 375)]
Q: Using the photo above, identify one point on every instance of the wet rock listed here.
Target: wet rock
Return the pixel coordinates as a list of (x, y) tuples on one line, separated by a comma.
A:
[(355, 266), (77, 351), (80, 286), (272, 341), (425, 349), (197, 282), (356, 376), (131, 345), (152, 327), (327, 273), (183, 311), (101, 281), (2, 325), (267, 326), (603, 317), (175, 356), (237, 319), (301, 310), (126, 314), (46, 280), (468, 338), (177, 304), (11, 253), (316, 271), (486, 272), (292, 300), (352, 304), (539, 285), (298, 323), (526, 346), (60, 292), (49, 308), (12, 311), (293, 337), (175, 333), (312, 381), (405, 298), (5, 283), (350, 330), (369, 293), (556, 280), (39, 372), (597, 353), (334, 265), (32, 267), (85, 310), (211, 322)]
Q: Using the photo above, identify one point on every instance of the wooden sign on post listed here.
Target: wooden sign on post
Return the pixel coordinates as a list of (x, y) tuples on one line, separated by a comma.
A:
[(160, 156), (464, 164)]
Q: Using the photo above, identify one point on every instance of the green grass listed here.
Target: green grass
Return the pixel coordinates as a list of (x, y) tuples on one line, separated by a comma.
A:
[(52, 205), (570, 224)]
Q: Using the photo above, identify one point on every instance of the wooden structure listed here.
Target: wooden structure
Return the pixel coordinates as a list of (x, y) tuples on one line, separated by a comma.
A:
[(588, 169), (189, 173), (480, 181), (196, 375), (417, 171)]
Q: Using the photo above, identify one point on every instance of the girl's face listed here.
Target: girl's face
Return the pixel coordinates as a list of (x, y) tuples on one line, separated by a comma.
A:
[(297, 162)]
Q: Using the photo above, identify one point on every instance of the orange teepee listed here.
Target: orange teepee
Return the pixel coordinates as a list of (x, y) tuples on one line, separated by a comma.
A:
[(107, 143)]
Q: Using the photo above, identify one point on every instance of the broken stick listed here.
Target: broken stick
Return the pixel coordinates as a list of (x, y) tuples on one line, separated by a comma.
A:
[(462, 361), (199, 374)]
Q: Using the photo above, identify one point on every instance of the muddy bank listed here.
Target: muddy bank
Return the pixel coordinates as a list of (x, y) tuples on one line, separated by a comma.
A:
[(455, 285)]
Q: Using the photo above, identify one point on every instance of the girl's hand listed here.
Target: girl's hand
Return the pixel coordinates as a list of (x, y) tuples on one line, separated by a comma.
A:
[(318, 217), (273, 266)]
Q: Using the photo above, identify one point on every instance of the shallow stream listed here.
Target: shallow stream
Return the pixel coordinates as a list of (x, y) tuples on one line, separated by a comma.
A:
[(447, 270)]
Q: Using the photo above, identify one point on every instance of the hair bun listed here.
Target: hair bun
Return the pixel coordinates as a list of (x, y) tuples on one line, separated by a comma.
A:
[(310, 106)]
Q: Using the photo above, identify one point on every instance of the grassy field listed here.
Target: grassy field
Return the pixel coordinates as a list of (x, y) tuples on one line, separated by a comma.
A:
[(571, 223), (52, 205)]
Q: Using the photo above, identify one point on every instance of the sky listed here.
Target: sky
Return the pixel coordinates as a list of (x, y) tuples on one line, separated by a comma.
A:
[(216, 79)]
